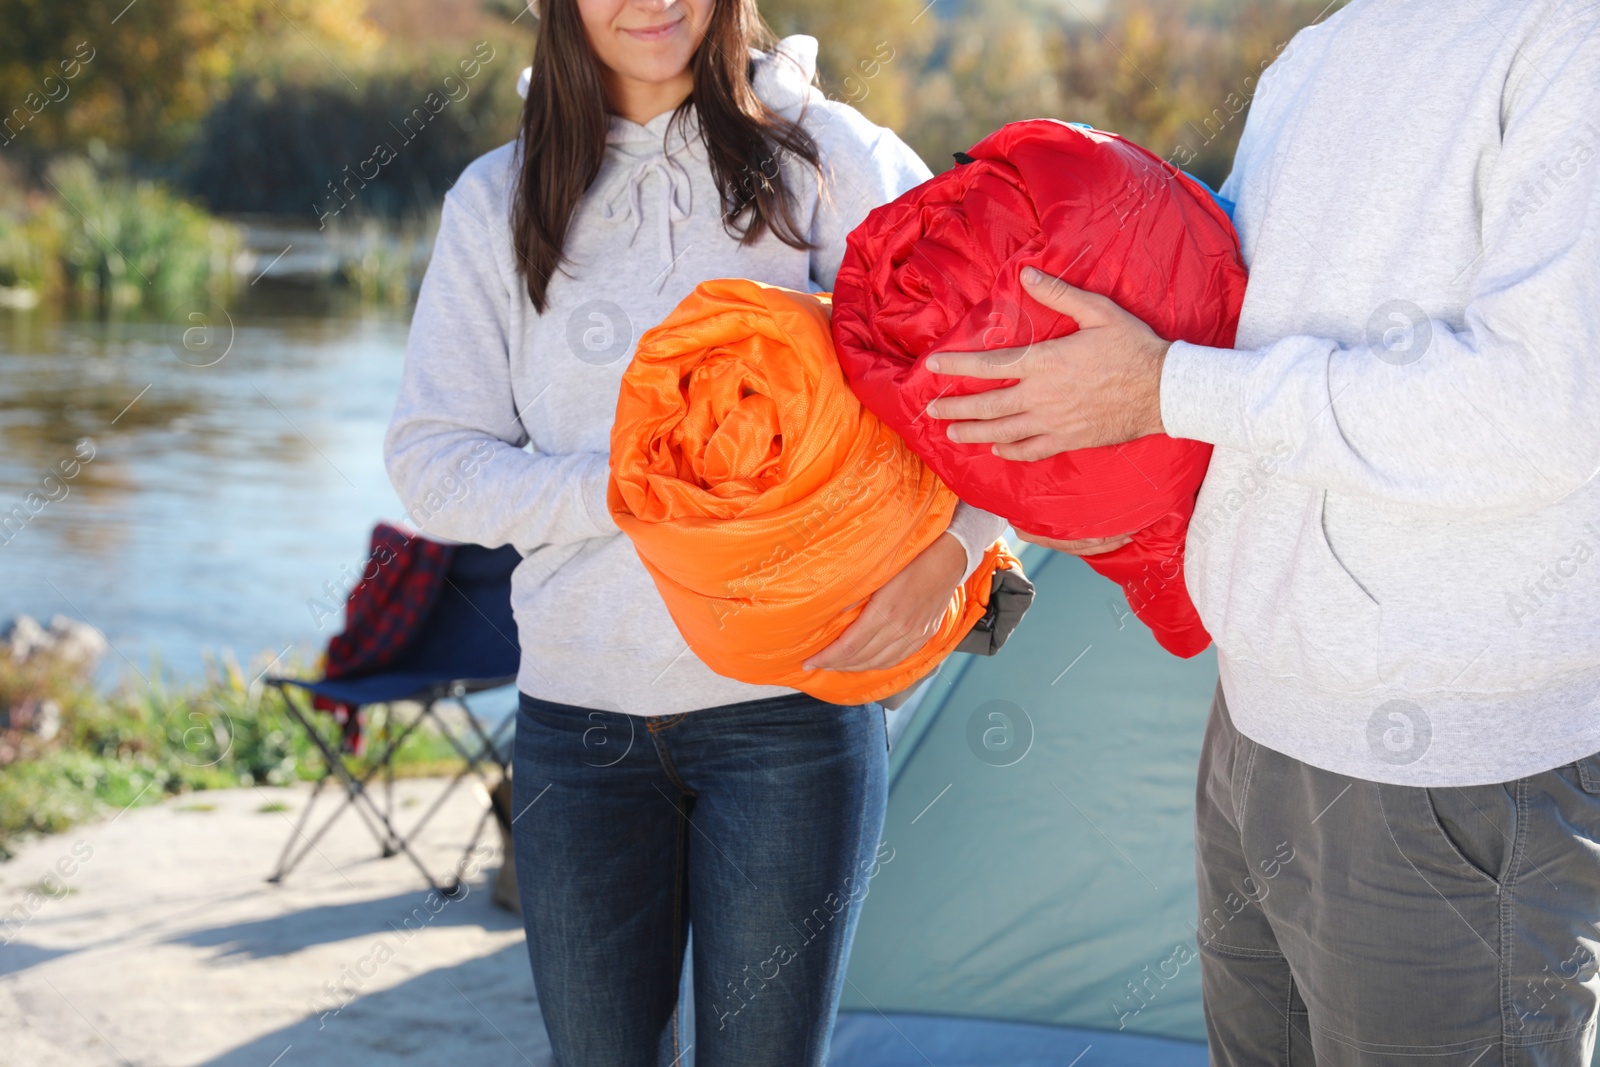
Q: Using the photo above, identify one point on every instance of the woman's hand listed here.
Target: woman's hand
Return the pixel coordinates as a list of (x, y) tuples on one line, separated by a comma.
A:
[(1089, 546), (901, 617)]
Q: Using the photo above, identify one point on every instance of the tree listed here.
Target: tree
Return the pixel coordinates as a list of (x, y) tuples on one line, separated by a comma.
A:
[(139, 75), (992, 64), (869, 54), (1179, 77)]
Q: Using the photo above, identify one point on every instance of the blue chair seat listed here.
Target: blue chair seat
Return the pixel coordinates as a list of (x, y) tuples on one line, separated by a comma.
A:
[(467, 643)]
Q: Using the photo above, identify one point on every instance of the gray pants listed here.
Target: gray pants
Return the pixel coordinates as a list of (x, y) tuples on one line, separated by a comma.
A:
[(1344, 922)]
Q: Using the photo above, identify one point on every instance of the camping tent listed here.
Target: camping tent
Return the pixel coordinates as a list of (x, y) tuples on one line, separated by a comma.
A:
[(1036, 901)]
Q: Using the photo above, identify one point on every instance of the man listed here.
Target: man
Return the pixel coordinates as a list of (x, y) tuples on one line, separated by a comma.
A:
[(1397, 549)]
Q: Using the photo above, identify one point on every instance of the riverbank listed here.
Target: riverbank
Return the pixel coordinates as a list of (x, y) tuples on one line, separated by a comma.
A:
[(109, 245), (70, 753), (165, 945)]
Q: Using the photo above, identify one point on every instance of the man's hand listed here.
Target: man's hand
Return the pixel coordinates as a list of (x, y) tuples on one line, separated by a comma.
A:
[(1099, 386), (1089, 546), (901, 617)]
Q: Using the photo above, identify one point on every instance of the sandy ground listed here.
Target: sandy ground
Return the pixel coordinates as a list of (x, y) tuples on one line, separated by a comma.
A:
[(168, 948)]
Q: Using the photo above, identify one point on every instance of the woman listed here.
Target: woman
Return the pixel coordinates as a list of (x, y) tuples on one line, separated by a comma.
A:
[(658, 149)]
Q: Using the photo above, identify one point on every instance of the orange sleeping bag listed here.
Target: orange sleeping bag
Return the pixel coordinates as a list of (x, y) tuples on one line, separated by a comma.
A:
[(764, 500)]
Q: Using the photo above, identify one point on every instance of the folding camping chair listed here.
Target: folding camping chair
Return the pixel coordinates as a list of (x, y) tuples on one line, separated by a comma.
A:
[(466, 643)]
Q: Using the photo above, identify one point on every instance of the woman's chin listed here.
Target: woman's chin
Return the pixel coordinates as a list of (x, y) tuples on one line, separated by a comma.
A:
[(651, 76), (653, 61)]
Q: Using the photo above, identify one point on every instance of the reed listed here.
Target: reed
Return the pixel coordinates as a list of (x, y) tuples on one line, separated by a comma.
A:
[(111, 242), (154, 737)]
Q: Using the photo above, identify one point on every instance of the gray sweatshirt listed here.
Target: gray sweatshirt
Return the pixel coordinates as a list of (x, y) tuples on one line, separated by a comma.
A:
[(1397, 548), (502, 430)]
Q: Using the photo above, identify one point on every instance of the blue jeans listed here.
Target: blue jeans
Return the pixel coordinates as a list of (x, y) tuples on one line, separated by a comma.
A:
[(756, 823)]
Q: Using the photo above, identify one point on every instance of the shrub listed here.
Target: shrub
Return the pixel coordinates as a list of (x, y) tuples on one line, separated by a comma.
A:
[(112, 242), (312, 149), (155, 739)]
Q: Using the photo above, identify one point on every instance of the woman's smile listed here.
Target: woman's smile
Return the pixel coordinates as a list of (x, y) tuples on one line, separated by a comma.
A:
[(651, 34)]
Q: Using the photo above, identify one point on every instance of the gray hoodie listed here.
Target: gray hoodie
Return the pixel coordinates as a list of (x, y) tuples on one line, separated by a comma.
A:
[(502, 429), (1397, 548)]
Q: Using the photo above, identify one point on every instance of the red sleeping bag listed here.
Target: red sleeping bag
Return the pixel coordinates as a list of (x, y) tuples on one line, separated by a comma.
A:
[(938, 271)]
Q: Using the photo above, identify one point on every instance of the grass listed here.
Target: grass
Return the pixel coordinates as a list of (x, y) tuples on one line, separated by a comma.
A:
[(110, 242), (118, 246), (381, 262), (145, 742)]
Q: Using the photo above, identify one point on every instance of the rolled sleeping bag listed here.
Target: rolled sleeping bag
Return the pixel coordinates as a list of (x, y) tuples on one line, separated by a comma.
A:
[(938, 270), (766, 502)]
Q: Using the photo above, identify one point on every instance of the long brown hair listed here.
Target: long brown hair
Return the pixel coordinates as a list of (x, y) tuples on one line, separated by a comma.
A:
[(563, 136)]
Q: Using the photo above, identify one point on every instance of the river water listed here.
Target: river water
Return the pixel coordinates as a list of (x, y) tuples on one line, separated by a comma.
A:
[(198, 481)]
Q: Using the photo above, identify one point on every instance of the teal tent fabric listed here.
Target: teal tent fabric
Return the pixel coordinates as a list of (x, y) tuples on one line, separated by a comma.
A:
[(866, 1039), (1040, 822)]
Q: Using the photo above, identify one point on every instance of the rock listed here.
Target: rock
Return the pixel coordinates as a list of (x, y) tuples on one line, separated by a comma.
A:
[(47, 720), (69, 642), (19, 297), (504, 893), (77, 643), (24, 638), (41, 718)]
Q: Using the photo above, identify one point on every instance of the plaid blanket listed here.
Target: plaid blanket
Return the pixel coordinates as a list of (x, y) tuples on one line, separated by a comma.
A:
[(400, 582)]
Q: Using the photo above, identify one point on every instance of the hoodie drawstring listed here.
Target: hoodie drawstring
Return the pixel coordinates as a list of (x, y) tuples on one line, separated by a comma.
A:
[(676, 201)]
